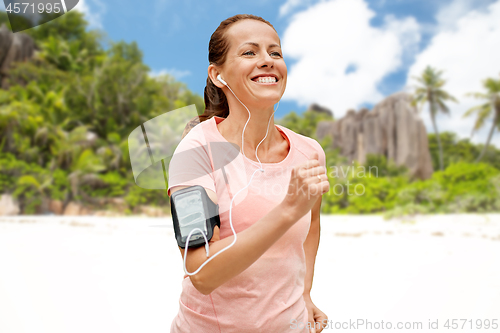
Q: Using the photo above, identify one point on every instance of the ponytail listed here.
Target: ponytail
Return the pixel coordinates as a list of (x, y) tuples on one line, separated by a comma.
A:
[(215, 102)]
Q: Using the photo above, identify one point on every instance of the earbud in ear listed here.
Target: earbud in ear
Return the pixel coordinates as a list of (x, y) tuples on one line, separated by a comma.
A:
[(221, 80)]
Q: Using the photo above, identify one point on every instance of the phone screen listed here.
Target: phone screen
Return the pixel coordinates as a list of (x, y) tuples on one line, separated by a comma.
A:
[(191, 214)]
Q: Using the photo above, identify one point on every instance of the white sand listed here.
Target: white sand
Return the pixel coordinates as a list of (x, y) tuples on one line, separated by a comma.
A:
[(88, 274)]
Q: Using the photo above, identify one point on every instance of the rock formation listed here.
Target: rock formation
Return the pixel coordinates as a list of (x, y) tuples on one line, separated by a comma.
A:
[(320, 109), (393, 129), (8, 205), (13, 47)]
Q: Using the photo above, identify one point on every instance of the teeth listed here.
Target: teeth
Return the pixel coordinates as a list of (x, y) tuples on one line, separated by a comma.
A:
[(266, 79)]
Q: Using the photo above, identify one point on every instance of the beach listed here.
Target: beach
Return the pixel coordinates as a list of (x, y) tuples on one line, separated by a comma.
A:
[(123, 274)]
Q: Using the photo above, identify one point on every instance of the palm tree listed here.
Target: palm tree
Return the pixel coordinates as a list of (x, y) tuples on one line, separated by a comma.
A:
[(110, 152), (41, 184), (68, 146), (484, 111), (84, 170), (430, 91)]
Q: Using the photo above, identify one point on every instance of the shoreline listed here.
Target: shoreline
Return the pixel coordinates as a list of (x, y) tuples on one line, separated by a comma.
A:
[(467, 225)]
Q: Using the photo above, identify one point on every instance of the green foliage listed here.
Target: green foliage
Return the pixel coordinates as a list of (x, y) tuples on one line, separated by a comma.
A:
[(382, 167), (30, 183), (30, 191), (71, 28), (139, 196), (20, 20), (65, 120), (114, 185), (465, 178), (332, 156), (379, 194), (59, 189), (304, 124), (356, 189), (455, 150), (462, 187), (12, 169)]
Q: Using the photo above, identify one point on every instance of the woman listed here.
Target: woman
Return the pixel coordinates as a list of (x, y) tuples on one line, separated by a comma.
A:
[(262, 282)]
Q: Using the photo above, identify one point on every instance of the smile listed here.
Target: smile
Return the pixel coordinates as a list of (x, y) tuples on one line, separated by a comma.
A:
[(265, 79)]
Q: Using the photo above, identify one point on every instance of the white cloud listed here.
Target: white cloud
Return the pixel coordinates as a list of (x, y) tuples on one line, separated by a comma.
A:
[(331, 37), (468, 51), (94, 17), (449, 14), (290, 5), (177, 73)]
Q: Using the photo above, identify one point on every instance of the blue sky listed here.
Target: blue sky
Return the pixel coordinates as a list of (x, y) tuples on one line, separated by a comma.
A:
[(340, 53), (174, 35)]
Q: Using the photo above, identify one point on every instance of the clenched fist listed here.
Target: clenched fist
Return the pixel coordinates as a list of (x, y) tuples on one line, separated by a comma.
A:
[(308, 182)]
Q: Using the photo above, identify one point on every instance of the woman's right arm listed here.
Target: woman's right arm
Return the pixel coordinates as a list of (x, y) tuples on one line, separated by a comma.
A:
[(303, 191)]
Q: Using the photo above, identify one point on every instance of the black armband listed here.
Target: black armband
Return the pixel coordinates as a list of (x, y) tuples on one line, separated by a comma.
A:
[(192, 208)]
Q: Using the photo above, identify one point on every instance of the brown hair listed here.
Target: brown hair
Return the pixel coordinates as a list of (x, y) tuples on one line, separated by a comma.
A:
[(215, 99)]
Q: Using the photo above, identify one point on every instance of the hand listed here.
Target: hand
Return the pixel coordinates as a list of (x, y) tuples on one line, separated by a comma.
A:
[(308, 181), (316, 317)]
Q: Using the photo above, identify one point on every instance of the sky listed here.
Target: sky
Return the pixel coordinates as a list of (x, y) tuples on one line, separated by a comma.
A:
[(341, 54)]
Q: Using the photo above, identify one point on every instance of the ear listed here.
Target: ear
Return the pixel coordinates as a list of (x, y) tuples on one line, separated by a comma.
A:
[(212, 74)]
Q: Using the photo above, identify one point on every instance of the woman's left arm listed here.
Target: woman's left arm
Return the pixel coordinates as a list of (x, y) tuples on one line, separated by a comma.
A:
[(311, 248)]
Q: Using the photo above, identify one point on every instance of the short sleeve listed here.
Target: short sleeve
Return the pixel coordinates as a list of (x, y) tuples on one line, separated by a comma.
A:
[(191, 164), (321, 152)]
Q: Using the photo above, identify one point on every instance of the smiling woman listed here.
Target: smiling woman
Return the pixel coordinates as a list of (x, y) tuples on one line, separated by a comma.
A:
[(219, 55), (256, 274)]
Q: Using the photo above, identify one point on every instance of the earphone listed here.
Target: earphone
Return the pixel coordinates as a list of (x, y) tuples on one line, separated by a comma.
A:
[(222, 81), (231, 204)]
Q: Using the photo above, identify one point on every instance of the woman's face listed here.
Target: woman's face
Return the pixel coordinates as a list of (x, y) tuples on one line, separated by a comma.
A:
[(254, 66)]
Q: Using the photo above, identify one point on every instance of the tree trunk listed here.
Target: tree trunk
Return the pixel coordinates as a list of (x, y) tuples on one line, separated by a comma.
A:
[(439, 143), (432, 106), (490, 135)]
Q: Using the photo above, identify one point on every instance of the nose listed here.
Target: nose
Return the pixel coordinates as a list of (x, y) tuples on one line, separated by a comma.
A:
[(265, 61)]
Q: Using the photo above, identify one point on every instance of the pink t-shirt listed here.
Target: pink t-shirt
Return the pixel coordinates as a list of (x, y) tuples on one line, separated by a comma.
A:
[(267, 296)]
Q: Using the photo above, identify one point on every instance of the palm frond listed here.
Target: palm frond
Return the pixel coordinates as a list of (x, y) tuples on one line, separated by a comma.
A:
[(443, 107), (492, 85), (477, 95), (482, 114), (445, 96), (472, 110)]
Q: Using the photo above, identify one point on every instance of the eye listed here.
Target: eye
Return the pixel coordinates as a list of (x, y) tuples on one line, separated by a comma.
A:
[(249, 53), (275, 54)]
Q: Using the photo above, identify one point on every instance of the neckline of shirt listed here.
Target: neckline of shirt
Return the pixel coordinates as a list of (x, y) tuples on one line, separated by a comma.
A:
[(216, 120)]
